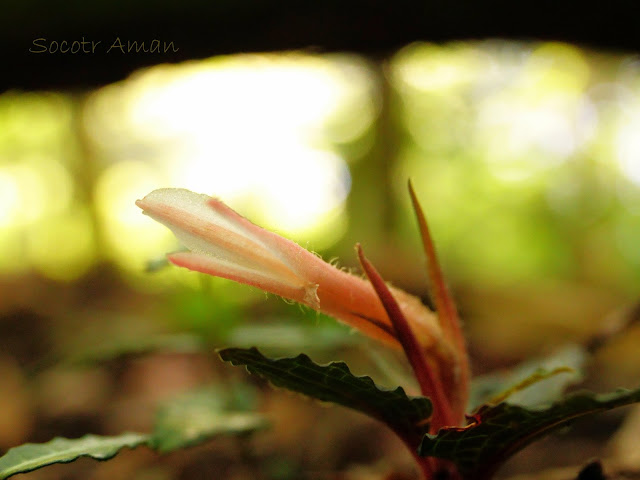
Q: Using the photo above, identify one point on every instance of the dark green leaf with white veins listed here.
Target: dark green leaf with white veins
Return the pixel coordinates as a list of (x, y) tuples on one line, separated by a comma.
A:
[(497, 432), (32, 456), (335, 383)]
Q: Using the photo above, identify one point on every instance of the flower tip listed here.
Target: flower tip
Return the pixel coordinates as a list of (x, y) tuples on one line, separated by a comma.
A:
[(148, 201)]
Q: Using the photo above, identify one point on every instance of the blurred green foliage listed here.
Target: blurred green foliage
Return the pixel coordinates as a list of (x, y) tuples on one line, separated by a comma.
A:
[(524, 156)]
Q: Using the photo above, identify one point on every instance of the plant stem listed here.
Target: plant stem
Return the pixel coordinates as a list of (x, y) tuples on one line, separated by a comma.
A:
[(430, 383)]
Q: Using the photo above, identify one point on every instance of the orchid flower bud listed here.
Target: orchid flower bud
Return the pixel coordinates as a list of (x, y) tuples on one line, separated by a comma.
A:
[(225, 244)]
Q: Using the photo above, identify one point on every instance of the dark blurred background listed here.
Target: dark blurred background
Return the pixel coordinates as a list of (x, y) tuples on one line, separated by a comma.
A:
[(519, 125)]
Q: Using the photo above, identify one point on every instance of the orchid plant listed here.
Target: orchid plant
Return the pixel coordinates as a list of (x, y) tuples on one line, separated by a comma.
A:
[(445, 440), (224, 244)]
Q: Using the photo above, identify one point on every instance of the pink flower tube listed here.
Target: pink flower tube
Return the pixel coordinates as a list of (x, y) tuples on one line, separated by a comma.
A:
[(225, 244)]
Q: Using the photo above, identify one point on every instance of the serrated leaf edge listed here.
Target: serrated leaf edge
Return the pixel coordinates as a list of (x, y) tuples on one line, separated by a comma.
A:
[(224, 355), (605, 401)]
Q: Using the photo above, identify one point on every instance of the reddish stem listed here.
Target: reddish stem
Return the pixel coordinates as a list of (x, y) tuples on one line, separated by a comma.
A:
[(430, 383)]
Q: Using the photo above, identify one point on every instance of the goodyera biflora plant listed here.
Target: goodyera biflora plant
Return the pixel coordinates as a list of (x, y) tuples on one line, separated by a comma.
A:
[(225, 244), (446, 442)]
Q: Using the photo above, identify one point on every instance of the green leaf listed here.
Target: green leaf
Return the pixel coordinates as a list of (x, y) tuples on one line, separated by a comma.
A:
[(535, 378), (31, 456), (532, 383), (497, 432), (283, 336), (335, 383), (183, 421), (201, 415)]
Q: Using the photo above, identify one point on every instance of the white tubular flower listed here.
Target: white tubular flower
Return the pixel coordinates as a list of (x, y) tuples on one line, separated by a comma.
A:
[(225, 244)]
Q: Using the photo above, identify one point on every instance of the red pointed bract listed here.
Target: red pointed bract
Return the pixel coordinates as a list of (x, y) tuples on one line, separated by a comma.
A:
[(445, 306), (430, 384)]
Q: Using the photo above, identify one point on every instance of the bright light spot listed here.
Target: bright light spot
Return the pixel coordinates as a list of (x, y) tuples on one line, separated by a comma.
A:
[(541, 118), (547, 127), (37, 120), (72, 235), (306, 180), (555, 68), (36, 145), (31, 201), (522, 108), (291, 188), (430, 67), (131, 236), (31, 189), (521, 139), (11, 242), (253, 130), (236, 96), (628, 149), (9, 199)]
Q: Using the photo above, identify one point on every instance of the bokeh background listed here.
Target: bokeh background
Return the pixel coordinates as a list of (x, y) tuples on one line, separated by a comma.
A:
[(524, 153)]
